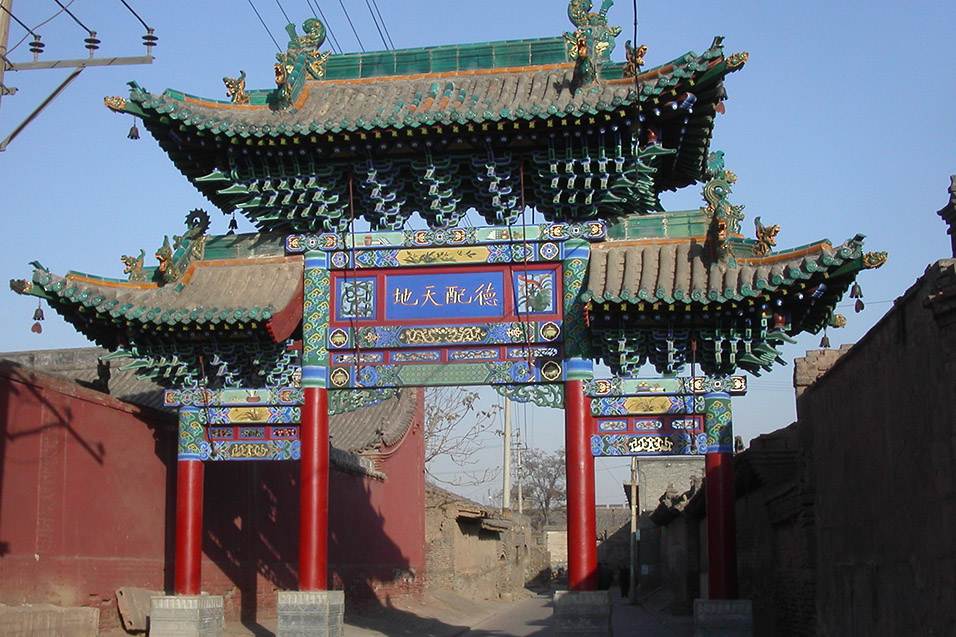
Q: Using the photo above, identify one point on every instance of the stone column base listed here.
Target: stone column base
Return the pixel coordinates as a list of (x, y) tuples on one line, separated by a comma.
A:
[(311, 614), (47, 619), (186, 616), (723, 618), (582, 613)]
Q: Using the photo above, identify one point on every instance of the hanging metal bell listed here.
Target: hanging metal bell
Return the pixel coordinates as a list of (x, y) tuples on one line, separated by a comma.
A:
[(825, 342), (133, 132), (856, 292), (38, 314)]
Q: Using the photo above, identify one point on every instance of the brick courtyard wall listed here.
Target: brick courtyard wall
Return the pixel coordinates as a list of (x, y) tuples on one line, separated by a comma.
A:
[(376, 530), (83, 501), (87, 505), (882, 424)]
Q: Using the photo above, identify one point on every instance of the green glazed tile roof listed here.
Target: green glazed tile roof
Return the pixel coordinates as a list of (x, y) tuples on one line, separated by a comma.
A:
[(681, 272), (213, 294), (521, 93)]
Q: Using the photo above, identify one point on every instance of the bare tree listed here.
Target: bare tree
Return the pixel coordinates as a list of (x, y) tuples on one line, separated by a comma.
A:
[(544, 483), (454, 424)]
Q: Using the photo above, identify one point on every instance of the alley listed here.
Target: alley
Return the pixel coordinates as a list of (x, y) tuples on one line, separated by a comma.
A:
[(529, 616)]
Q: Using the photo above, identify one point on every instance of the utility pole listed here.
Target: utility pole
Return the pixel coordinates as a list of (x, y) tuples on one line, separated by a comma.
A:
[(519, 470), (632, 583), (6, 6), (506, 474), (6, 11)]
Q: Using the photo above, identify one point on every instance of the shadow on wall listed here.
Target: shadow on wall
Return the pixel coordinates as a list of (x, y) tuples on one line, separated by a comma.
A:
[(16, 393), (251, 535)]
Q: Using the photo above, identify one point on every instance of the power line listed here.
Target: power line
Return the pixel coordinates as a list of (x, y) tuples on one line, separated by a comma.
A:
[(349, 18), (382, 20), (30, 32), (145, 26), (375, 21), (264, 26), (18, 21), (75, 19), (284, 14)]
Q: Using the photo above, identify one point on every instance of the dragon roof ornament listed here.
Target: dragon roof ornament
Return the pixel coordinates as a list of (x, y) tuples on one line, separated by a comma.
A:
[(592, 41), (301, 61), (724, 217), (174, 259)]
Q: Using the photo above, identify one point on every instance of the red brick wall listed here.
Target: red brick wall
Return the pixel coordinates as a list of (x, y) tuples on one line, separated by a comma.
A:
[(82, 495), (376, 530), (87, 506)]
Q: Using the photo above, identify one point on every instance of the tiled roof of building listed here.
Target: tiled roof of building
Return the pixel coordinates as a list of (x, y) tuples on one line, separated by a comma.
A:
[(84, 367), (385, 423), (514, 93), (240, 292), (679, 271), (528, 118)]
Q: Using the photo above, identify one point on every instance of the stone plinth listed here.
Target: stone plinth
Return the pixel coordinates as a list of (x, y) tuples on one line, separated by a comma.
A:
[(311, 613), (46, 619), (723, 618), (582, 613), (186, 616)]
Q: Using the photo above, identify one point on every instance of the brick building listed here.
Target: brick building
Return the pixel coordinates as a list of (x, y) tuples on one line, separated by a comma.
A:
[(845, 518)]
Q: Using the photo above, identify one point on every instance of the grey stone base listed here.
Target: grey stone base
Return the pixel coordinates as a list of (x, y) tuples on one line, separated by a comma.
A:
[(311, 614), (582, 613), (186, 616), (47, 619), (723, 618), (134, 606)]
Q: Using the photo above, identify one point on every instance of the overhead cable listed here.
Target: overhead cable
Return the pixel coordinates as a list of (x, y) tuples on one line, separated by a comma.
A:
[(265, 27), (30, 32), (18, 21), (284, 14), (375, 20), (75, 19), (349, 18), (382, 20), (145, 26), (336, 48)]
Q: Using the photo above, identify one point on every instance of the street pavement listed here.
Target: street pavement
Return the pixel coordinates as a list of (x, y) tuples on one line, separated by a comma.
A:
[(448, 615), (531, 616)]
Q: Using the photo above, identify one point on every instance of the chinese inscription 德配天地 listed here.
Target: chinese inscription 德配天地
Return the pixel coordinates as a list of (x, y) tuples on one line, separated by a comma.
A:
[(483, 294)]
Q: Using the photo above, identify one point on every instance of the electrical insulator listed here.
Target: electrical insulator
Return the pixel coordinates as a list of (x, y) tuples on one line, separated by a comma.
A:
[(92, 42), (149, 41), (36, 47)]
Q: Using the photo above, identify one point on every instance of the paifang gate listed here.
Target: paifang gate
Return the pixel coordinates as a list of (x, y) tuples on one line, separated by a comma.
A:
[(479, 306), (257, 337)]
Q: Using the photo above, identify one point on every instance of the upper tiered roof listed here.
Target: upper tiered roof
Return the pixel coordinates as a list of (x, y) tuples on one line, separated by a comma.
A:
[(550, 123), (438, 130)]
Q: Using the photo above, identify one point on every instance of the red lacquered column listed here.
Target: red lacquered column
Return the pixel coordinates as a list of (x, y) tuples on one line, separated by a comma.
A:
[(314, 500), (188, 567), (721, 511), (582, 530)]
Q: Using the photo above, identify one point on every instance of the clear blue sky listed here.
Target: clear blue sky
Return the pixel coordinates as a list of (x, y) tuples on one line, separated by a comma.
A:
[(842, 121)]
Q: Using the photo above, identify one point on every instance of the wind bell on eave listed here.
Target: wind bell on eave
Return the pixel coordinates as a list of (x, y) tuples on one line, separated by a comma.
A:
[(37, 317), (856, 292), (133, 132)]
